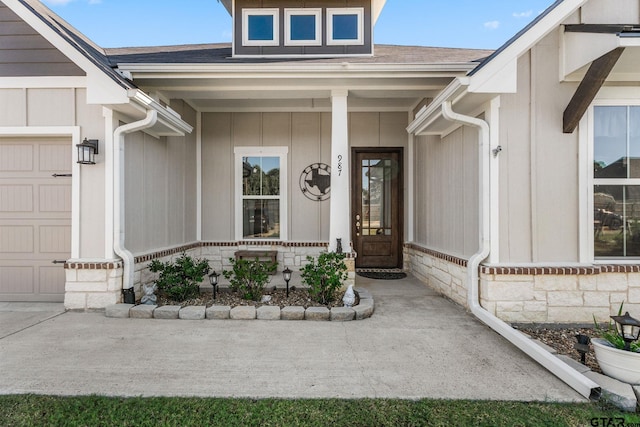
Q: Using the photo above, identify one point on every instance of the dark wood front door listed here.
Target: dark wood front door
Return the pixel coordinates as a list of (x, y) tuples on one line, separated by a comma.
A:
[(377, 200)]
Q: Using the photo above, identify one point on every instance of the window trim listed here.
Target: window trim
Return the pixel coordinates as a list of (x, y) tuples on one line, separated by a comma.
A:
[(289, 13), (586, 158), (359, 12), (275, 13), (239, 153)]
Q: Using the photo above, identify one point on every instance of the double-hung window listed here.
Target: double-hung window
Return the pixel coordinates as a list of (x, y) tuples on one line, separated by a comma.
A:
[(260, 27), (261, 199), (616, 181), (345, 26)]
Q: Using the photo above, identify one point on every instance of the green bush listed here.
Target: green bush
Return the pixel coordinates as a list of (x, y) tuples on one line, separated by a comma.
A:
[(249, 277), (324, 276), (180, 280)]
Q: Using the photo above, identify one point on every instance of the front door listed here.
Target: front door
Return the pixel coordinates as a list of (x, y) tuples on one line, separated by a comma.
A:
[(377, 201)]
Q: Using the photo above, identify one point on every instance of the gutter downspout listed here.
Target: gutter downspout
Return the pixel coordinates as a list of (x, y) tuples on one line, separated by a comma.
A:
[(573, 378), (118, 193)]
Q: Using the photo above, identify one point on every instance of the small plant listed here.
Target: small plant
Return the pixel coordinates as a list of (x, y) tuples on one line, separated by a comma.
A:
[(180, 280), (611, 334), (249, 277), (324, 276)]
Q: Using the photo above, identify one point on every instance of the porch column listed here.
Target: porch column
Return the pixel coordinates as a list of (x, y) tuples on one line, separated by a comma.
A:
[(340, 212)]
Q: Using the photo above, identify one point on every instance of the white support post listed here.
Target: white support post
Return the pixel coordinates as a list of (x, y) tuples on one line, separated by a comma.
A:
[(340, 211)]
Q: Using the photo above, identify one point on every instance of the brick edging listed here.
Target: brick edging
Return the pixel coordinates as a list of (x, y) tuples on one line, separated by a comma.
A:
[(531, 271)]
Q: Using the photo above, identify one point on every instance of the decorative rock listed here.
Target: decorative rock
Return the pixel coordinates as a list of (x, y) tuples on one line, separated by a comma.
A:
[(195, 312), (292, 313), (142, 311), (219, 312), (365, 309), (118, 311), (317, 313), (167, 312), (243, 313), (342, 314), (616, 392), (267, 312)]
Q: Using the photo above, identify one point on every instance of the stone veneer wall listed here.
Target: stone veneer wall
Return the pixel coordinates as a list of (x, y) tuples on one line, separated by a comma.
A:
[(94, 285), (533, 294)]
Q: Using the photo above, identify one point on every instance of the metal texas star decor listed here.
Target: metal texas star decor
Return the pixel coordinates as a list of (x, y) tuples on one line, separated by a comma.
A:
[(315, 181)]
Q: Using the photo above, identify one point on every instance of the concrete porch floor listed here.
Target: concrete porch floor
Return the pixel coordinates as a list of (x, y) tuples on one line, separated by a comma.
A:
[(416, 345)]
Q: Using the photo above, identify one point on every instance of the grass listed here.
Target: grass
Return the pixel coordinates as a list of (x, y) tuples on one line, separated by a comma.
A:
[(33, 410)]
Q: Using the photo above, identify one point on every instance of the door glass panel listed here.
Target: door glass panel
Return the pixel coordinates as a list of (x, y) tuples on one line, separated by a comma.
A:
[(376, 197)]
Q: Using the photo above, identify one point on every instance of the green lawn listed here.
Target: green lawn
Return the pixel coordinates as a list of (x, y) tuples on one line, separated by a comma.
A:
[(31, 410)]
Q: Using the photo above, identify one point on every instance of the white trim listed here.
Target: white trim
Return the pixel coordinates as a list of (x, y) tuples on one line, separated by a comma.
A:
[(74, 133), (43, 82), (282, 153), (410, 166), (585, 188), (333, 11), (274, 13), (588, 121), (291, 12), (494, 179), (199, 176), (109, 119)]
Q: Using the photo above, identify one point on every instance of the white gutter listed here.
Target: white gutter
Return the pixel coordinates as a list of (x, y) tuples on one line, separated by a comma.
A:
[(118, 193), (573, 378)]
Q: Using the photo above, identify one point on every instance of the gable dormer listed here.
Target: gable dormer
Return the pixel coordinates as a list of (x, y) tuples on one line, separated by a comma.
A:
[(303, 28)]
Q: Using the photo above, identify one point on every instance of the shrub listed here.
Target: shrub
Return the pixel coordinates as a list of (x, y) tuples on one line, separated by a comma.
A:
[(324, 276), (249, 277), (180, 280)]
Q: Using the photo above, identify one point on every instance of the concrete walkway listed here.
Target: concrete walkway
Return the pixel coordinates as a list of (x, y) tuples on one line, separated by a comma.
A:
[(416, 345)]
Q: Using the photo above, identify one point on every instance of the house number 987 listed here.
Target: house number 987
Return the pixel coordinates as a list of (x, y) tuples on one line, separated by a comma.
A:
[(340, 164)]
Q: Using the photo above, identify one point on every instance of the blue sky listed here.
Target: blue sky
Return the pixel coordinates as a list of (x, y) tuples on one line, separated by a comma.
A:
[(483, 24)]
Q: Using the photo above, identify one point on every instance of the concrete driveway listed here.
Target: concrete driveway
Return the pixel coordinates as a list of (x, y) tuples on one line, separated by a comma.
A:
[(416, 345)]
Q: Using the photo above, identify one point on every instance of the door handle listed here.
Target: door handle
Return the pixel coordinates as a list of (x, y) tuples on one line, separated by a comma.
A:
[(358, 225), (58, 261)]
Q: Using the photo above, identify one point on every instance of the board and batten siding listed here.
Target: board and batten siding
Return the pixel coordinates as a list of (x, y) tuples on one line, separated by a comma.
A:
[(308, 138), (24, 52), (160, 188), (446, 192)]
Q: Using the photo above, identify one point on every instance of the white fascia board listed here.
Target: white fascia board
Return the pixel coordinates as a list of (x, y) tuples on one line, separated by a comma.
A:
[(376, 10), (430, 113), (166, 116), (503, 61), (504, 80), (279, 70), (108, 90)]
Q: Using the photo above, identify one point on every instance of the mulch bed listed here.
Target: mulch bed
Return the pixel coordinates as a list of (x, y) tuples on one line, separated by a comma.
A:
[(562, 340), (297, 297)]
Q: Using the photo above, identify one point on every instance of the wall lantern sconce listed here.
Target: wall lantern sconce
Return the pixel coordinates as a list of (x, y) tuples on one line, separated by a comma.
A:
[(213, 279), (87, 151), (628, 328), (287, 276)]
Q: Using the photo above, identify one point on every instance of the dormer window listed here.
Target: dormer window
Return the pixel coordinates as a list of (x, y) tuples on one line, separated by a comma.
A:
[(345, 26), (303, 27), (260, 27)]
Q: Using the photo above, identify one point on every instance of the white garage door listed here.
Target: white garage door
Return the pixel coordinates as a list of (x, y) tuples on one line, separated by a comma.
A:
[(35, 218)]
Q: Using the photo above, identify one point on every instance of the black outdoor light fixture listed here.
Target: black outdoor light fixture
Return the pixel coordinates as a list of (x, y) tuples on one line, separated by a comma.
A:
[(582, 346), (287, 276), (213, 279), (628, 328), (87, 151)]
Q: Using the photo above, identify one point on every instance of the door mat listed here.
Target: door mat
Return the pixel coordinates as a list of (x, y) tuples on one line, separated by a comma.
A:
[(381, 275)]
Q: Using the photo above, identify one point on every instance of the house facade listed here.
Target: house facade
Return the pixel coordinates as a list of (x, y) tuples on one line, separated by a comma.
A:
[(504, 178)]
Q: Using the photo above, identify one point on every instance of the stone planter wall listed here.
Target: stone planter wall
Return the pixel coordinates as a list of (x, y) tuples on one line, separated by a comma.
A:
[(533, 294), (95, 285)]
